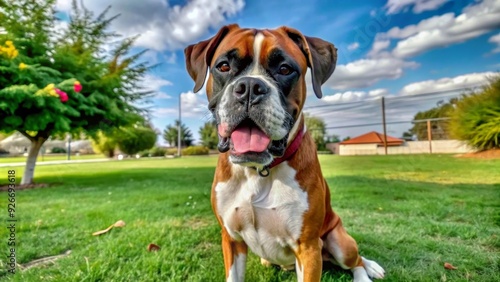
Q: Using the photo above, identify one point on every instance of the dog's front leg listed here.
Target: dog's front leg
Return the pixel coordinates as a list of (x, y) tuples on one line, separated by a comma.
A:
[(309, 263), (235, 257)]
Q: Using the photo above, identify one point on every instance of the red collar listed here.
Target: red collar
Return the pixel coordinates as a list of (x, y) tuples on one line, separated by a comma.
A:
[(289, 152)]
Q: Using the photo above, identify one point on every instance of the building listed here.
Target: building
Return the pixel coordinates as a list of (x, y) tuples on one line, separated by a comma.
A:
[(372, 143), (18, 144)]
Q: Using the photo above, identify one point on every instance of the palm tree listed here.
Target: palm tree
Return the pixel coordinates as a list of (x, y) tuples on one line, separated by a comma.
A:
[(170, 134)]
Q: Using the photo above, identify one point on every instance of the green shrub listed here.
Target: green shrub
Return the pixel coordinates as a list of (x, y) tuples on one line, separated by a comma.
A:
[(476, 119), (157, 152), (132, 140), (195, 150), (171, 152), (58, 150)]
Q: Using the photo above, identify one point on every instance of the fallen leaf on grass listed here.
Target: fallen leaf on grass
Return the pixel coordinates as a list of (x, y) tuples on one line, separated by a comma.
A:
[(153, 248), (449, 266), (119, 223)]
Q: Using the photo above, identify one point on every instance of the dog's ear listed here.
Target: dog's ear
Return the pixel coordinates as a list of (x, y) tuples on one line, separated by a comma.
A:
[(199, 55), (321, 57)]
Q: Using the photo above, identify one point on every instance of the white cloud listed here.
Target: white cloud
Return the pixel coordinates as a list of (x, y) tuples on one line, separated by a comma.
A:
[(172, 59), (353, 46), (63, 5), (378, 46), (436, 22), (352, 96), (193, 105), (154, 83), (419, 6), (366, 72), (447, 29), (347, 96), (495, 39), (164, 112), (378, 92), (162, 95), (447, 83), (161, 25)]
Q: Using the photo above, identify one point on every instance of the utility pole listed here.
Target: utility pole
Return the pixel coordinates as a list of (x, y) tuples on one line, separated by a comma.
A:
[(384, 124), (179, 129), (69, 147), (429, 135)]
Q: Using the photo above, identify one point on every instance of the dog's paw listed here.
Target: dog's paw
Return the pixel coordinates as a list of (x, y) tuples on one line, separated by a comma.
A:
[(265, 263), (290, 267), (373, 269), (359, 274)]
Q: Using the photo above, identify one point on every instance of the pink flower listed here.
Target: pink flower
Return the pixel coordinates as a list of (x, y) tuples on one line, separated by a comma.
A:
[(77, 86), (62, 95)]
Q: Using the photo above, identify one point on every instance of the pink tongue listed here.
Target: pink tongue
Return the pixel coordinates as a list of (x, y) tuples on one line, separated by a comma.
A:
[(249, 139)]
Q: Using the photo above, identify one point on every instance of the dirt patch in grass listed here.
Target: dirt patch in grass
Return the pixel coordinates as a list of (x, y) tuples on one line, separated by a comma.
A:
[(486, 154), (26, 186), (192, 223)]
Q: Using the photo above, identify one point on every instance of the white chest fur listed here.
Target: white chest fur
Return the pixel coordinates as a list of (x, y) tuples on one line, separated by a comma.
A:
[(265, 212)]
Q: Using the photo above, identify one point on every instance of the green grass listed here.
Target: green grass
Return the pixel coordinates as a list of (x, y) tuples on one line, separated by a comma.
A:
[(59, 157), (409, 213)]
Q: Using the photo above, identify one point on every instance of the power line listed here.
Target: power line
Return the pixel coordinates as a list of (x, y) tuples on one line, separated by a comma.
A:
[(420, 95), (380, 123), (366, 124)]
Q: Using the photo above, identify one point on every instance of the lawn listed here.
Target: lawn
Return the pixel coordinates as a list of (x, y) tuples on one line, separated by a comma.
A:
[(409, 213), (58, 157)]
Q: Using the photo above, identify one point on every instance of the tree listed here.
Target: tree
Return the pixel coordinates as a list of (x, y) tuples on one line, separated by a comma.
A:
[(131, 140), (407, 135), (333, 139), (3, 136), (439, 129), (54, 84), (104, 144), (476, 119), (317, 128), (208, 135), (170, 134)]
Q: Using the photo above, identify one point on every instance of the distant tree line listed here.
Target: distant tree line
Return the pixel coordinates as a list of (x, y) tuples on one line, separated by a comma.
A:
[(473, 117)]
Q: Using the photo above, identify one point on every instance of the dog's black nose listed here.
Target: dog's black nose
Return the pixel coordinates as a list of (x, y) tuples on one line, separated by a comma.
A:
[(250, 89)]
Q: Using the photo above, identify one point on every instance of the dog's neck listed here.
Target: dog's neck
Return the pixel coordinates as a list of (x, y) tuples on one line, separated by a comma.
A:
[(293, 144)]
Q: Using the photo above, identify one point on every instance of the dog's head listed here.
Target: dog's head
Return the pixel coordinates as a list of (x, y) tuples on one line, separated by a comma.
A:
[(256, 86)]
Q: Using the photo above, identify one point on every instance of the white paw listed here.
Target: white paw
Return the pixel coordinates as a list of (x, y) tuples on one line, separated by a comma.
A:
[(373, 269), (265, 263), (290, 267), (359, 274)]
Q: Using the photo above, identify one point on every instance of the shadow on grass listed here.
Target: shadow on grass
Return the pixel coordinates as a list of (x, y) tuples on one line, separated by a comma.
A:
[(411, 228)]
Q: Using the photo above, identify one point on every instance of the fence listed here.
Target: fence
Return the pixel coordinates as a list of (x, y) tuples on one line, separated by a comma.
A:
[(409, 147), (391, 115)]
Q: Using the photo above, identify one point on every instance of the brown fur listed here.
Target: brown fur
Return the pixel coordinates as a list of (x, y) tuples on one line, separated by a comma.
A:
[(322, 228)]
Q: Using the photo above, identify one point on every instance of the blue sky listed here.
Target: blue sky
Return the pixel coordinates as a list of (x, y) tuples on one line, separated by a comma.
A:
[(390, 48)]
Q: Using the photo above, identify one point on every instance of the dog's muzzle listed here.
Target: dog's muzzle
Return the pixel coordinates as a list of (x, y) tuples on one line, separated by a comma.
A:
[(247, 125)]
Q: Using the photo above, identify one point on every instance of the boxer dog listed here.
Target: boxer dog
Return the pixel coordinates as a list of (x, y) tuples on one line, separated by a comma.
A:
[(268, 192)]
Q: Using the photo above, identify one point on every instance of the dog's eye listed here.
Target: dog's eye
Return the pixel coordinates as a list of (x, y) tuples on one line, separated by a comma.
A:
[(223, 67), (285, 70)]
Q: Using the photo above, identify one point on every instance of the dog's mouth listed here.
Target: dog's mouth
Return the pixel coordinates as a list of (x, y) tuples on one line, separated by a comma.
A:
[(246, 137), (247, 142)]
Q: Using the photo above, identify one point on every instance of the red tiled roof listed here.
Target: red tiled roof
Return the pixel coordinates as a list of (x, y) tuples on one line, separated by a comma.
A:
[(373, 137)]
